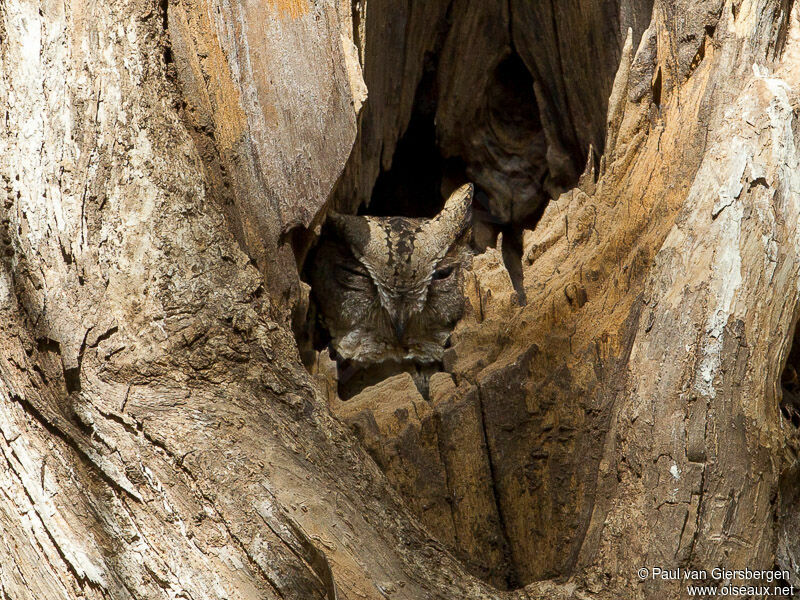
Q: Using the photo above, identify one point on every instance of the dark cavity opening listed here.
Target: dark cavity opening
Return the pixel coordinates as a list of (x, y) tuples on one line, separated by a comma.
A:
[(511, 99), (163, 6), (412, 187), (420, 177), (656, 88)]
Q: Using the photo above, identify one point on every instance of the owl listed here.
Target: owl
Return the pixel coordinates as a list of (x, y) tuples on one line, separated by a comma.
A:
[(389, 289)]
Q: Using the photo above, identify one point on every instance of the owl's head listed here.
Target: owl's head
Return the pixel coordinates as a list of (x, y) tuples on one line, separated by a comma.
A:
[(390, 288)]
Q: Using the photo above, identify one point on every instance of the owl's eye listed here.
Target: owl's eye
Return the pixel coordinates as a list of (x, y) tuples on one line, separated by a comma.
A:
[(443, 273), (353, 271), (352, 277)]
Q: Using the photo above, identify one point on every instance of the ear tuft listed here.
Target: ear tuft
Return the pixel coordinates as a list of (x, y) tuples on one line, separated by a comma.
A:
[(456, 216)]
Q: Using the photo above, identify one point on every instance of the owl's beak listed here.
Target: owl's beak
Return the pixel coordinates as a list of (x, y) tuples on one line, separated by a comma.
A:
[(400, 322), (400, 327)]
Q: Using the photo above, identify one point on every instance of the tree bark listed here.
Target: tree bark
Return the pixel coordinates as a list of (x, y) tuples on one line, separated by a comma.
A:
[(166, 167)]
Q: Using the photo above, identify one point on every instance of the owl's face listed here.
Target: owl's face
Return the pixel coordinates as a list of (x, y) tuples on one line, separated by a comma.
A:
[(390, 288)]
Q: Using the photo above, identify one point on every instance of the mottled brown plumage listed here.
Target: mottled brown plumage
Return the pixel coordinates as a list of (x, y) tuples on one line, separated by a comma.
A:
[(390, 288)]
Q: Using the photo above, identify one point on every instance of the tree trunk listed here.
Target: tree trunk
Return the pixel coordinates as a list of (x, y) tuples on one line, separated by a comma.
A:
[(610, 402)]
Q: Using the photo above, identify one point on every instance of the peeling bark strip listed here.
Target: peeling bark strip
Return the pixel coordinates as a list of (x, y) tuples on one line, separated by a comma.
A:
[(159, 437)]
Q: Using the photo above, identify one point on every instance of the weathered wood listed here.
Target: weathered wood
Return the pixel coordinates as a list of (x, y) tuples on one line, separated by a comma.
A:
[(159, 437)]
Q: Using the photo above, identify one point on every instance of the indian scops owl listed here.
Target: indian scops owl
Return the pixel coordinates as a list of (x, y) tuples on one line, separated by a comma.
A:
[(390, 288)]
